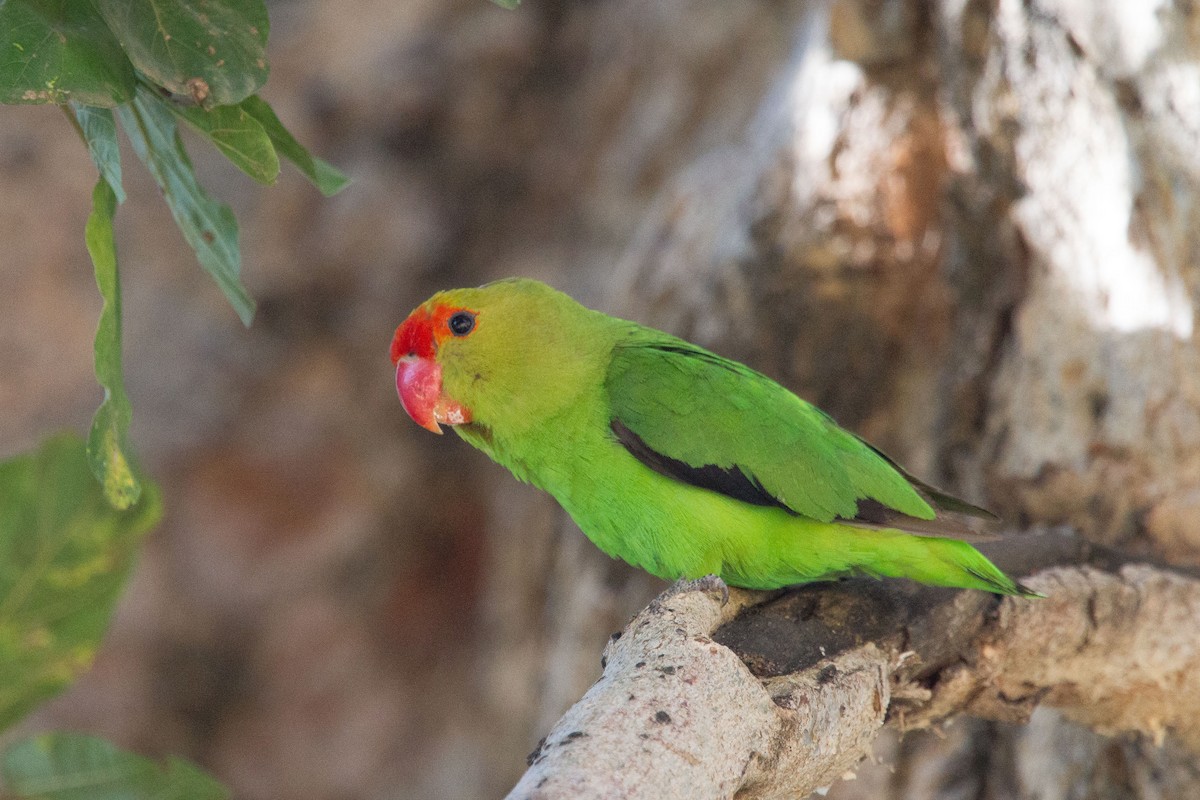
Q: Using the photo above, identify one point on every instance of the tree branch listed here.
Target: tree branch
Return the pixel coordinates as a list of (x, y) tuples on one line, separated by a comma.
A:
[(775, 695)]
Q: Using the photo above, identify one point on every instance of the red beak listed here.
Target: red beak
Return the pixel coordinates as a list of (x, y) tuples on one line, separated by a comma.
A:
[(419, 384)]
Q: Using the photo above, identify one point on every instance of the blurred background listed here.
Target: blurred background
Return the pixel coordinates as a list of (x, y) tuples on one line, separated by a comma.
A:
[(968, 230)]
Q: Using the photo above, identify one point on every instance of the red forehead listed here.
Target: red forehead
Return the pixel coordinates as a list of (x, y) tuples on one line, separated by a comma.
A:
[(422, 332)]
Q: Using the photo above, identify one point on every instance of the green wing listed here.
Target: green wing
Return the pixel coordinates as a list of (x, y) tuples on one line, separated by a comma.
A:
[(705, 420)]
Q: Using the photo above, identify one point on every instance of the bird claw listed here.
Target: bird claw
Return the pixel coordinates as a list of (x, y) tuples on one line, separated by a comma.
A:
[(709, 584)]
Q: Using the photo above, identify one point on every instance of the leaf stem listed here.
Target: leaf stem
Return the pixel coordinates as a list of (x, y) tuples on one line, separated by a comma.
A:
[(70, 115)]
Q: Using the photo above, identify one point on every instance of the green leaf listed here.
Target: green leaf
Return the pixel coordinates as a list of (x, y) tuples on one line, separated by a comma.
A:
[(208, 226), (509, 4), (327, 178), (53, 51), (238, 135), (213, 51), (64, 556), (108, 443), (72, 766), (99, 128)]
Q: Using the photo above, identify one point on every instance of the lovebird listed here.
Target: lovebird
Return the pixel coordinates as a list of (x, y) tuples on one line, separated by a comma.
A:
[(671, 457)]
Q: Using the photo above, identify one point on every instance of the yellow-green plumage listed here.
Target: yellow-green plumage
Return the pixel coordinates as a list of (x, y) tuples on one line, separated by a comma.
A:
[(682, 462)]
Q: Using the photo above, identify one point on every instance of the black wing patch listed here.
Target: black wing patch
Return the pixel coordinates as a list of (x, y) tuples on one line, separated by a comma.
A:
[(873, 514), (942, 501), (738, 485), (730, 482)]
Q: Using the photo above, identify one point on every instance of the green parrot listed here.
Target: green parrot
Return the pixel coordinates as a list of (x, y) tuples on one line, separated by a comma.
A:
[(666, 455)]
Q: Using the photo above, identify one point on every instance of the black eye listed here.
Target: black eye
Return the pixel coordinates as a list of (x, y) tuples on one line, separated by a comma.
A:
[(462, 323)]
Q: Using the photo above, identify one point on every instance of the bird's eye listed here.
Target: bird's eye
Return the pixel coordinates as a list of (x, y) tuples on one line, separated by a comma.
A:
[(462, 323)]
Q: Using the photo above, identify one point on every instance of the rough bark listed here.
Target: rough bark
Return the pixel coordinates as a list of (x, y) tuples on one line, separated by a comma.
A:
[(698, 701), (677, 714)]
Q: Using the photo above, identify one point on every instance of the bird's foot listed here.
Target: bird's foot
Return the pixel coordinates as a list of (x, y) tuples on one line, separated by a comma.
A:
[(709, 584)]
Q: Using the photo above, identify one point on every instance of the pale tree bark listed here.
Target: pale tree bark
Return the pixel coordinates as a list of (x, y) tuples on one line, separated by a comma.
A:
[(691, 704), (969, 230)]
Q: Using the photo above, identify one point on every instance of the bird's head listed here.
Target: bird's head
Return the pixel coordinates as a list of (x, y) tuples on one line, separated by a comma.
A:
[(417, 352), (506, 353)]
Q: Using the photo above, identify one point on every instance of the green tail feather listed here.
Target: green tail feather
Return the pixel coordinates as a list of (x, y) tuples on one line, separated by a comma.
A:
[(793, 551), (945, 562)]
